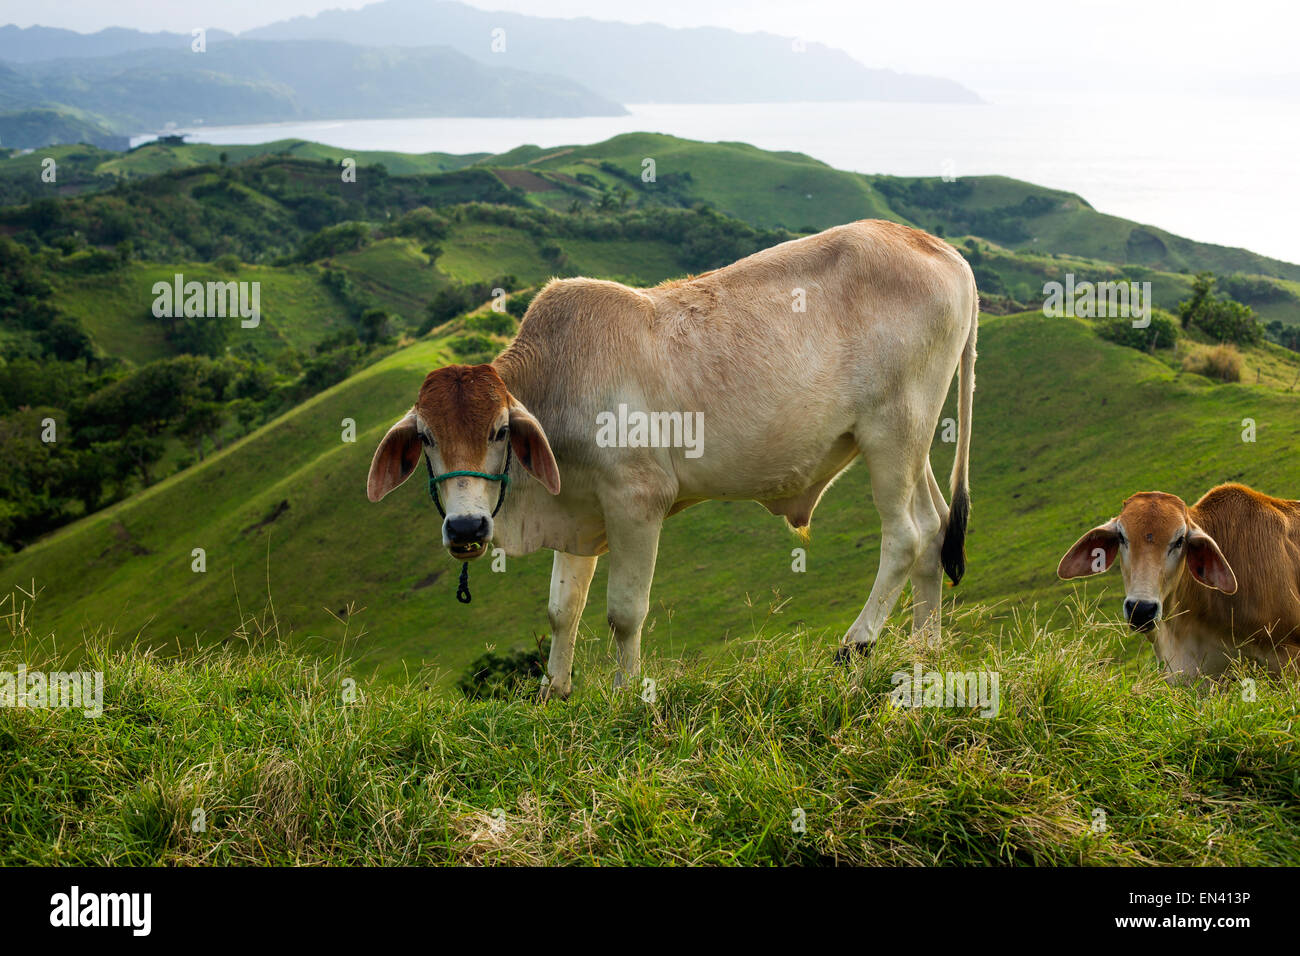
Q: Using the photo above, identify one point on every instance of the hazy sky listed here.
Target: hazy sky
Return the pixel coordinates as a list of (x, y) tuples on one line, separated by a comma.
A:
[(1075, 44)]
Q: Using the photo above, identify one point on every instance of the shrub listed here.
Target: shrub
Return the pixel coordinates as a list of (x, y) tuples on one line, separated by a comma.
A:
[(334, 240), (1162, 333), (1221, 319), (1222, 362), (422, 223), (518, 304), (375, 326), (504, 674), (457, 299), (1229, 321), (491, 323), (473, 348)]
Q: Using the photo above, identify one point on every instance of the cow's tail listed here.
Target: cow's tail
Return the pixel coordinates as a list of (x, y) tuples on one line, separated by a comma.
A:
[(953, 554)]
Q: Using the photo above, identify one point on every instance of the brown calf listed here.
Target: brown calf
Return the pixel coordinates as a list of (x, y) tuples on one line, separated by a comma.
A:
[(1208, 582)]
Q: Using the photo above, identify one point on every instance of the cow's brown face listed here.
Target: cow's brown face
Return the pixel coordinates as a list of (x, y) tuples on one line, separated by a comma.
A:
[(1157, 542), (464, 419)]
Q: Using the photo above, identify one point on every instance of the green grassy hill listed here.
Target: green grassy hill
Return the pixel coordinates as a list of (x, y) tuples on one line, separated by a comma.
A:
[(297, 310), (1066, 426), (765, 188), (762, 187), (1033, 218), (86, 168), (156, 157), (392, 273)]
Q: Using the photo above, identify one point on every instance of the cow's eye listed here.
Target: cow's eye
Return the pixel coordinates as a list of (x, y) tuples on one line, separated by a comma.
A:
[(427, 440), (501, 434), (1177, 544), (1122, 540)]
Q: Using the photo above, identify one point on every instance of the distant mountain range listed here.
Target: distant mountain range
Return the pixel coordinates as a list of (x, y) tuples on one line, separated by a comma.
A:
[(30, 44), (251, 81), (408, 58), (632, 63)]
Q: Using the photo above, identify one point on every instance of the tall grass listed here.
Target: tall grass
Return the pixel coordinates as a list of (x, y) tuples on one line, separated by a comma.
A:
[(1222, 362), (1087, 762)]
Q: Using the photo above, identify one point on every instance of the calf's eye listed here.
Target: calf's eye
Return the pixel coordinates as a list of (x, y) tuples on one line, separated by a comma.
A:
[(501, 434)]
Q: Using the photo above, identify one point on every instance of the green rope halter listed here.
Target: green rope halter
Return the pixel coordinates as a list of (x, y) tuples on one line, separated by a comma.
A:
[(462, 590)]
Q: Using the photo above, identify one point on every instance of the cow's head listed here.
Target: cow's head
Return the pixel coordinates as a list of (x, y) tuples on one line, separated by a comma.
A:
[(1157, 542), (463, 420)]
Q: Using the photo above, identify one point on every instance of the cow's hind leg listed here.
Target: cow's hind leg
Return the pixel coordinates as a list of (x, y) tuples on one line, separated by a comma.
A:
[(570, 578), (897, 465), (930, 514)]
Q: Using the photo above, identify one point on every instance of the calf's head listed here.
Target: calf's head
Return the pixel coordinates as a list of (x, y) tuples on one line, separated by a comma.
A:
[(1157, 542), (463, 420)]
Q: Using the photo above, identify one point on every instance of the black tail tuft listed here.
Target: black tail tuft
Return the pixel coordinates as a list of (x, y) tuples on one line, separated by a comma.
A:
[(953, 555)]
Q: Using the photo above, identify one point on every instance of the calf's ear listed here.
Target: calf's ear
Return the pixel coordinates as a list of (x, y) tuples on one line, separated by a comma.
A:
[(1206, 563), (395, 458), (528, 442), (1092, 554)]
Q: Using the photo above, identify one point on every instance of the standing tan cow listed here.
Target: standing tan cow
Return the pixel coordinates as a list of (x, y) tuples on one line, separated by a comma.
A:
[(794, 360), (1207, 583)]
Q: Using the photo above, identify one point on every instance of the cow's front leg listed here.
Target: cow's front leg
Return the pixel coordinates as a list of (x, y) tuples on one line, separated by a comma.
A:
[(633, 547), (570, 578)]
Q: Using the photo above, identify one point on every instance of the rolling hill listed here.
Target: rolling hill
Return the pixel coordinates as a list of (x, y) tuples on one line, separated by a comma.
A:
[(767, 189)]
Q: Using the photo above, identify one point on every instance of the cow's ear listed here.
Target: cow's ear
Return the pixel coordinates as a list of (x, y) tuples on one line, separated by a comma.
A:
[(1206, 562), (395, 458), (528, 441), (1092, 554)]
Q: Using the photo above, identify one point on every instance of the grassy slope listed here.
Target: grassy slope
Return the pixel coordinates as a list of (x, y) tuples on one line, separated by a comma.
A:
[(396, 273), (1066, 427), (297, 310), (157, 157), (711, 770), (765, 188), (1073, 227)]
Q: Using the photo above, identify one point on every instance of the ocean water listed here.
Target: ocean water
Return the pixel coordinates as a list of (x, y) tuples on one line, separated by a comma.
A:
[(1219, 170)]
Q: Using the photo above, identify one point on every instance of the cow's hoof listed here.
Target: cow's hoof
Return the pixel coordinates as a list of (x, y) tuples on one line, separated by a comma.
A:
[(551, 691), (844, 653)]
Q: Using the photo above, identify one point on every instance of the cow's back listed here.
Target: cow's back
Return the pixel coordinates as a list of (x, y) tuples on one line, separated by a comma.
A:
[(783, 352), (1260, 537)]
